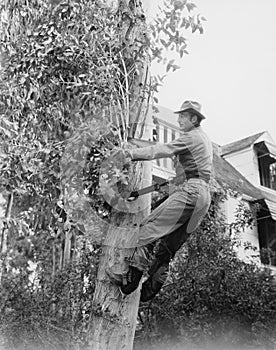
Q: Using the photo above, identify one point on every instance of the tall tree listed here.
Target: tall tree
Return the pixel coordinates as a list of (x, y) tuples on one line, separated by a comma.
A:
[(74, 84), (113, 318)]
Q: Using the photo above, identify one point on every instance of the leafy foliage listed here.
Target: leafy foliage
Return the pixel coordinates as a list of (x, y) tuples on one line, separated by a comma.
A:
[(41, 311), (212, 299), (71, 88)]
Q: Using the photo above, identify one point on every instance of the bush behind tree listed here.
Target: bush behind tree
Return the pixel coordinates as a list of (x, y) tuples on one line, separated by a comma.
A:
[(213, 299)]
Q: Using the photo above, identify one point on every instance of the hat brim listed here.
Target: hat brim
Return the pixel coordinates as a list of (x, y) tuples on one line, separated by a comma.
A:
[(191, 109)]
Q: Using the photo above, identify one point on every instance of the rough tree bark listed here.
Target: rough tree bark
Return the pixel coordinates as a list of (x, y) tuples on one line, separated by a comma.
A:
[(114, 316), (4, 231)]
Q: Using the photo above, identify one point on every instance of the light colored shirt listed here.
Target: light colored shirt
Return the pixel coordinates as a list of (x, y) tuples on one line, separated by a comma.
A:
[(192, 154)]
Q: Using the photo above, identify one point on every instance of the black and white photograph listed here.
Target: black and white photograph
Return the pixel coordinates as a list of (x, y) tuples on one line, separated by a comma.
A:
[(137, 175)]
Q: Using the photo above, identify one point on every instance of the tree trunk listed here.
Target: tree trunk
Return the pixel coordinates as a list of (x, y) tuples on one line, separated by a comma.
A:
[(114, 315), (4, 233)]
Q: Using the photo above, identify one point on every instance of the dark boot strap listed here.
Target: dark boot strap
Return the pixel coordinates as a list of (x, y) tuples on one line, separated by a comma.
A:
[(161, 274), (158, 261), (139, 258)]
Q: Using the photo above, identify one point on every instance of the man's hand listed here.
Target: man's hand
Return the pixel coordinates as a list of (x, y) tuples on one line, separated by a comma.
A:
[(121, 155)]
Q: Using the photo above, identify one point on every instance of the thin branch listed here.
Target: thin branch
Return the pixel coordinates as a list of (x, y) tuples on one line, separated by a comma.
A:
[(127, 91), (118, 124)]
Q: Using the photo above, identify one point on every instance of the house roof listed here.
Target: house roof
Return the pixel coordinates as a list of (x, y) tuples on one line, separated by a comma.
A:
[(226, 174), (240, 144), (267, 195)]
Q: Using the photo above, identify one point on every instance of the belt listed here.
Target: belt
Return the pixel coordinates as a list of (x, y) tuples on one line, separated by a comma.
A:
[(196, 180), (196, 176)]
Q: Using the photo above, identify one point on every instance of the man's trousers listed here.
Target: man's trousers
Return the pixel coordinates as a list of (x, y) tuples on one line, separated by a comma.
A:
[(173, 221)]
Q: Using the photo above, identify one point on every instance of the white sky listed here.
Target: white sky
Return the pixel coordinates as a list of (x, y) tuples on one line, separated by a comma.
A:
[(230, 69)]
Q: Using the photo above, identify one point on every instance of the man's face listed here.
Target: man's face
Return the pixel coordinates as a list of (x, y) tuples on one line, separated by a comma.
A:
[(185, 122)]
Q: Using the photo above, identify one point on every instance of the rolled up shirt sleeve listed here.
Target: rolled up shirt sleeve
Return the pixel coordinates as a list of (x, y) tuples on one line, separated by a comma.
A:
[(161, 150)]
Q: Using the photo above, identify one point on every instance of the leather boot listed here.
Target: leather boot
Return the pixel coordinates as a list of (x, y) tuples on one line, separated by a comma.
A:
[(137, 264), (156, 280), (133, 278)]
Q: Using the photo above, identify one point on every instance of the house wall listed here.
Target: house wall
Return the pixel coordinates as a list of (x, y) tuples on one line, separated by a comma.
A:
[(246, 163), (161, 171), (249, 235), (164, 167)]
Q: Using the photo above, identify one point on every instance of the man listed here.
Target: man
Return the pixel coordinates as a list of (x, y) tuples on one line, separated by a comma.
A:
[(176, 218)]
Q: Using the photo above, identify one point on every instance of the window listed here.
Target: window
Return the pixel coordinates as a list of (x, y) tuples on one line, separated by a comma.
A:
[(155, 133), (157, 140), (165, 160), (267, 164), (272, 170), (173, 135), (267, 236)]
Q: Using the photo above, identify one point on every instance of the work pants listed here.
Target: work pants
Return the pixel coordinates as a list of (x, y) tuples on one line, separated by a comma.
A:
[(172, 222)]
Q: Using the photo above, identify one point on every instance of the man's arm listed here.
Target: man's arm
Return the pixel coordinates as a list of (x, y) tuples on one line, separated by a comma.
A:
[(160, 150)]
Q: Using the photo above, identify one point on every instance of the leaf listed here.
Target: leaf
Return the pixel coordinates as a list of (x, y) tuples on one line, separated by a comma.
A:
[(178, 5), (161, 78), (190, 6), (164, 43), (156, 110), (175, 67), (170, 65)]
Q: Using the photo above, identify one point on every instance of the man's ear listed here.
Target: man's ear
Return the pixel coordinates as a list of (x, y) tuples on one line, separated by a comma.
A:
[(194, 119)]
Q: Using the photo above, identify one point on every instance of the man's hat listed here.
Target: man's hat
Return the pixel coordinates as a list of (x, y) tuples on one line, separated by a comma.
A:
[(191, 106)]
